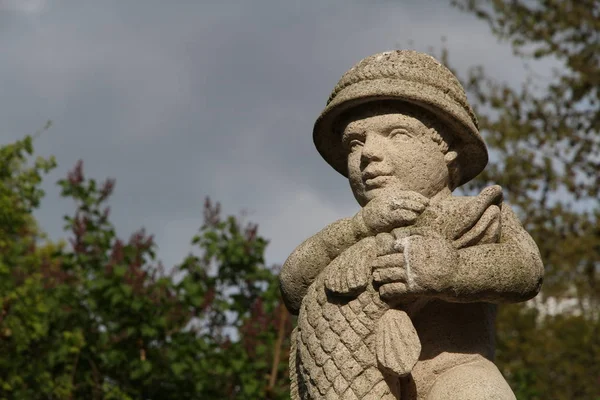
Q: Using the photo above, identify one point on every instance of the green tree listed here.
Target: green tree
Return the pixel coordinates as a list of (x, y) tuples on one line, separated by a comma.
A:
[(98, 318), (545, 144)]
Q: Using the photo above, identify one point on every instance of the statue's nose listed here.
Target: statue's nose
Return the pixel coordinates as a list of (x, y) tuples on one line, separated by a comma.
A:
[(372, 149)]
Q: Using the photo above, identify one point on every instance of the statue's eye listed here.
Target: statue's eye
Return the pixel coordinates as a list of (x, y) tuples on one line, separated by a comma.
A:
[(356, 142), (352, 140), (399, 132)]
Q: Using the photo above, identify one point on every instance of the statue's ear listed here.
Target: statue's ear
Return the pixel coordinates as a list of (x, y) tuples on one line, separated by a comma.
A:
[(450, 157), (451, 161)]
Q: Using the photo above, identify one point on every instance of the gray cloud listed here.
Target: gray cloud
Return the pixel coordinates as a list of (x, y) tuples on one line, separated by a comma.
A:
[(183, 99)]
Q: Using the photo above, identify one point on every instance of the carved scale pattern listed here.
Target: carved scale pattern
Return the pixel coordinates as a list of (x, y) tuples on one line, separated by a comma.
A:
[(335, 344)]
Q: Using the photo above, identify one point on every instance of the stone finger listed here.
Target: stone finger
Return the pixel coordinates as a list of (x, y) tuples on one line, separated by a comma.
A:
[(389, 275), (403, 216), (340, 284), (391, 290), (357, 268), (332, 282), (362, 274), (401, 233), (351, 280), (408, 204), (385, 244), (388, 261)]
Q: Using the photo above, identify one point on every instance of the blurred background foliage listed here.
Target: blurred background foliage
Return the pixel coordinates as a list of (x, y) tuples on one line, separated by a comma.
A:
[(544, 139), (97, 316)]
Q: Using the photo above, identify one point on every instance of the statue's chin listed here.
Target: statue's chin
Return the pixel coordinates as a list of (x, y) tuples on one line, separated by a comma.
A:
[(374, 193), (388, 189)]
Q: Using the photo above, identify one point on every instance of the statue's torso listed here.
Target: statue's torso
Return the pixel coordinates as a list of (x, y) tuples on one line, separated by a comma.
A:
[(336, 343)]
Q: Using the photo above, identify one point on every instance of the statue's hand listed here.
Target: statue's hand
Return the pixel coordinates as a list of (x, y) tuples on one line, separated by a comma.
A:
[(387, 212), (421, 266), (348, 274)]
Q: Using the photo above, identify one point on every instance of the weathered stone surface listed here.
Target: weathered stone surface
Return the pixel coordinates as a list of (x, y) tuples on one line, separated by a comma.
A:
[(398, 300), (398, 346)]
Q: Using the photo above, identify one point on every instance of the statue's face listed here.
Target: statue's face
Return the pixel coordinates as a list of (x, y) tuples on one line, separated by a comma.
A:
[(388, 151)]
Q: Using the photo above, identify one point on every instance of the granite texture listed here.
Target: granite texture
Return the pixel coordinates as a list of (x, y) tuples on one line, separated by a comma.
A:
[(398, 301)]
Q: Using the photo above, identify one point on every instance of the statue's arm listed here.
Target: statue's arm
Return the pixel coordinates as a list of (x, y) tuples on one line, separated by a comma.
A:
[(508, 271), (308, 260)]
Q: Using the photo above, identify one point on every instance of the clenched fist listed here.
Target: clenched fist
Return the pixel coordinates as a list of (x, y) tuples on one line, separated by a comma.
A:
[(422, 266), (350, 273), (399, 209)]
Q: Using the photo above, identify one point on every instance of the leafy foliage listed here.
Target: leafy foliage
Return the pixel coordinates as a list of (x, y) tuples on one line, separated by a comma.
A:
[(100, 319), (556, 357)]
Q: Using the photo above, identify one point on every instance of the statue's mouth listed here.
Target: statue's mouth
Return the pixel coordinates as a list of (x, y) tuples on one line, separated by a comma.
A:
[(376, 182)]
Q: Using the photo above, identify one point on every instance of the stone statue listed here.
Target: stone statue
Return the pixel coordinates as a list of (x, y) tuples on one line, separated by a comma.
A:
[(398, 301)]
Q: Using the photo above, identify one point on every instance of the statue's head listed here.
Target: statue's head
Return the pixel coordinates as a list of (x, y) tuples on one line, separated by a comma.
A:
[(400, 120), (393, 146)]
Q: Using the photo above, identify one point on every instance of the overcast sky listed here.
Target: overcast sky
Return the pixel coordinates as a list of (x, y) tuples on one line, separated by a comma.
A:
[(179, 100)]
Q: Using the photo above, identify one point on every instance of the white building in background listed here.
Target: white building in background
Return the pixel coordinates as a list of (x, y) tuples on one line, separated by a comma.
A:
[(551, 306)]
